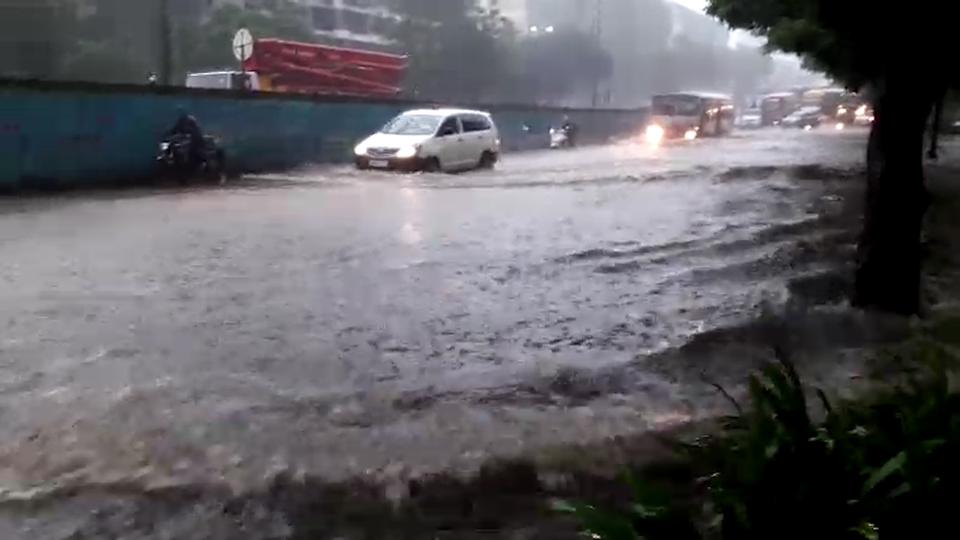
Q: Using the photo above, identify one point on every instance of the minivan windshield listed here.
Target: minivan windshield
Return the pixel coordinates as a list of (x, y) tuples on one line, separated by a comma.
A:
[(412, 124)]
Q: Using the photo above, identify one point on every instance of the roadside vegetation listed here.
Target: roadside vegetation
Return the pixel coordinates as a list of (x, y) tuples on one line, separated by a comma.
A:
[(907, 80), (794, 463)]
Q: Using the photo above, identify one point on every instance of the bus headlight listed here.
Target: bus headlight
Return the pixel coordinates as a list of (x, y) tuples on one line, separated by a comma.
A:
[(654, 134)]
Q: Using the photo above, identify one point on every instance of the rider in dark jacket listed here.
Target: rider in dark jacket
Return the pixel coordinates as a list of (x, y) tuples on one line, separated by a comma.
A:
[(571, 129), (187, 125)]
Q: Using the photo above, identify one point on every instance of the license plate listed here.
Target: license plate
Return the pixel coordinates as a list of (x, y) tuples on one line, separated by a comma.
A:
[(379, 163)]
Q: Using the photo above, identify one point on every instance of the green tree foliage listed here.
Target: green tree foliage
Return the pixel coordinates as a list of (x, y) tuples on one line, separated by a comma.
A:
[(906, 54), (95, 40), (207, 46), (120, 41), (795, 466), (102, 61), (560, 64), (457, 51), (114, 41), (34, 36), (856, 41)]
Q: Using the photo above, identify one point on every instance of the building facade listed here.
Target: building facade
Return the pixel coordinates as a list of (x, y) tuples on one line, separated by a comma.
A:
[(514, 10), (346, 22), (366, 22)]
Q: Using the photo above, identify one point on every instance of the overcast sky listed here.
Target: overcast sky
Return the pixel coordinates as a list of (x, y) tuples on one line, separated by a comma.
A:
[(692, 4), (741, 37), (737, 37)]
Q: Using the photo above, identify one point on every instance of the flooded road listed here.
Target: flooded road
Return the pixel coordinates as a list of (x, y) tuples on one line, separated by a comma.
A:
[(335, 324)]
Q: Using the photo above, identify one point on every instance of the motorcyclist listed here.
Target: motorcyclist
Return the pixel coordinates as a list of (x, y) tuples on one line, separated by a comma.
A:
[(570, 129), (188, 126)]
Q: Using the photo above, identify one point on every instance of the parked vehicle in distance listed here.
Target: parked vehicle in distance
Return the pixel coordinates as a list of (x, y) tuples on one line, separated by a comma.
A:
[(836, 104), (863, 115), (953, 128), (807, 117), (775, 107), (224, 80), (750, 119), (432, 140)]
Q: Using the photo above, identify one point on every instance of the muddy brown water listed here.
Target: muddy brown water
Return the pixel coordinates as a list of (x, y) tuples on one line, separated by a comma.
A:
[(296, 355)]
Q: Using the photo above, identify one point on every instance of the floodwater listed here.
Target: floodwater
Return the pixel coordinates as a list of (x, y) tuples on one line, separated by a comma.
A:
[(335, 324)]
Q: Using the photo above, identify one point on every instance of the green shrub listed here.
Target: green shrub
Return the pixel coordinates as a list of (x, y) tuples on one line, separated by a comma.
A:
[(790, 467)]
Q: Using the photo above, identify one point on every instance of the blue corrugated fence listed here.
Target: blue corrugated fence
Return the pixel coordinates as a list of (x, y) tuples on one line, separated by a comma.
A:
[(67, 135)]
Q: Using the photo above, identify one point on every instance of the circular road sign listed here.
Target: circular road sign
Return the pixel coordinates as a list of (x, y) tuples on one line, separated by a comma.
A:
[(243, 45)]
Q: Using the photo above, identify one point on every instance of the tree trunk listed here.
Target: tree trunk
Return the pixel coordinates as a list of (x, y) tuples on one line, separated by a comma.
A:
[(934, 152), (888, 258)]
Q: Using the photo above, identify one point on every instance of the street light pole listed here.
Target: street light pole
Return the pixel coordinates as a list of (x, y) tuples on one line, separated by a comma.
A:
[(598, 34), (166, 44)]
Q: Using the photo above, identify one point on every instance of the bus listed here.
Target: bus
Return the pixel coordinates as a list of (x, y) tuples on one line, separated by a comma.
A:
[(690, 115), (828, 99), (775, 107)]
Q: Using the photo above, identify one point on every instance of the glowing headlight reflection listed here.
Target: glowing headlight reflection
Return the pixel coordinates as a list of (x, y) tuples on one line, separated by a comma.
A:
[(690, 134), (840, 126), (654, 134)]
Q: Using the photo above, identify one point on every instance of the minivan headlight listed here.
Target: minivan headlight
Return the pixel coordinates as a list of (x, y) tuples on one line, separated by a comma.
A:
[(360, 149), (407, 152)]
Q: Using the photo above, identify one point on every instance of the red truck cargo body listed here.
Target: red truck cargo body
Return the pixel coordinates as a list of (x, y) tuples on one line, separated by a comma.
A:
[(289, 66)]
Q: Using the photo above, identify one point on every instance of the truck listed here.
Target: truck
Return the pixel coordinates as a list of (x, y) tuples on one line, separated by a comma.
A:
[(306, 68)]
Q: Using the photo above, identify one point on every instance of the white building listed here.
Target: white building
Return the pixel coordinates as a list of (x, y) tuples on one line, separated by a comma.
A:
[(349, 22), (368, 22), (515, 10)]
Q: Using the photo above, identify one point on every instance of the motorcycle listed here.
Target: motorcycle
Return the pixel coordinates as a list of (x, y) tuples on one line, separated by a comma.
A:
[(176, 160), (561, 137)]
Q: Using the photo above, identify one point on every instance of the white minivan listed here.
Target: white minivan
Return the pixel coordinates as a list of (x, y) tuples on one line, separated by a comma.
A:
[(432, 140)]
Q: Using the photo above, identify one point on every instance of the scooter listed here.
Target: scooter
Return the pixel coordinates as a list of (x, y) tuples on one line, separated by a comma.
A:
[(561, 138), (175, 159)]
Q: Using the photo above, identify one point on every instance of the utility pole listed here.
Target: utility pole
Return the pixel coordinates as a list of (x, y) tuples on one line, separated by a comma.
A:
[(166, 44), (598, 34)]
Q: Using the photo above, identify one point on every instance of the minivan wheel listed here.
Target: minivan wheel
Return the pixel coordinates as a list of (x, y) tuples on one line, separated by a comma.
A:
[(487, 160), (432, 165)]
